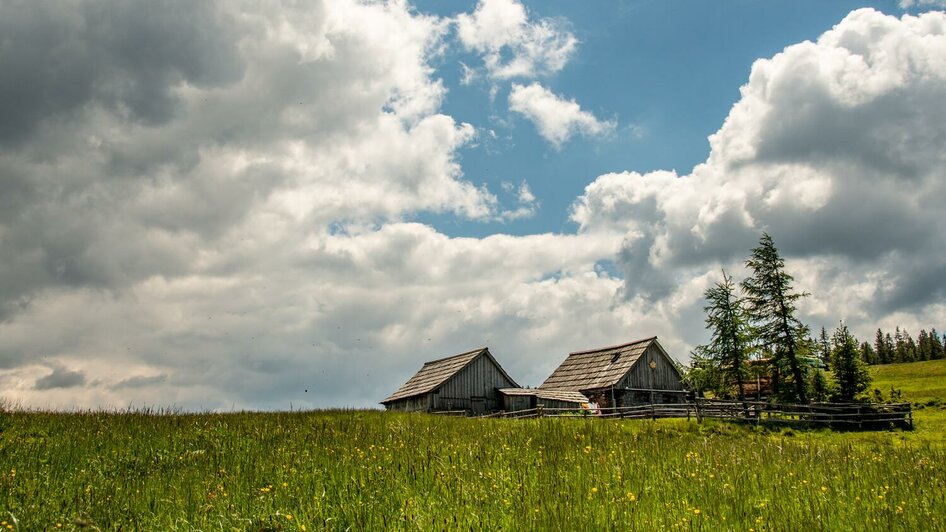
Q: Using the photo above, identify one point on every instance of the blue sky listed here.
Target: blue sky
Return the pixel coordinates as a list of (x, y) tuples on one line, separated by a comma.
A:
[(667, 71), (218, 205)]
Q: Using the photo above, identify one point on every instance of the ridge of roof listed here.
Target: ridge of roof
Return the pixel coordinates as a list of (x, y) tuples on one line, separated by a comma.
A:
[(444, 359), (610, 347)]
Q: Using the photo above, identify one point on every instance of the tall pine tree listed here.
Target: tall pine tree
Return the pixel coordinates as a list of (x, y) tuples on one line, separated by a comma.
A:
[(770, 301), (850, 374), (880, 346), (923, 348), (728, 346), (824, 348), (868, 355), (936, 346)]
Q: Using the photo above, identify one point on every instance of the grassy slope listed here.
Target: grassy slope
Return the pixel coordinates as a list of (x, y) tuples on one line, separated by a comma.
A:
[(923, 384), (374, 471), (919, 381)]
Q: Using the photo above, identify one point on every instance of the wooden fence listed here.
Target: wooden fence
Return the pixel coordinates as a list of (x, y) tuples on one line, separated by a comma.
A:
[(837, 415)]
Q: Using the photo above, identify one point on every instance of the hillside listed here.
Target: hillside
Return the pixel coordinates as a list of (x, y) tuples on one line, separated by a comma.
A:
[(923, 384), (920, 382)]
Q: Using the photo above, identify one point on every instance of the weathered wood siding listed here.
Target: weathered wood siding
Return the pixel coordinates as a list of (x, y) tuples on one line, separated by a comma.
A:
[(663, 377), (512, 403), (552, 403), (419, 403), (480, 379)]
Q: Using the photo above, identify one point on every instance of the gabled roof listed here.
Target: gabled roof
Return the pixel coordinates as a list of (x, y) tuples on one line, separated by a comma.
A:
[(597, 368), (437, 372)]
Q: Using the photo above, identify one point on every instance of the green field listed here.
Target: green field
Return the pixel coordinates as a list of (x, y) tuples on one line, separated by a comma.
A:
[(924, 384), (356, 470)]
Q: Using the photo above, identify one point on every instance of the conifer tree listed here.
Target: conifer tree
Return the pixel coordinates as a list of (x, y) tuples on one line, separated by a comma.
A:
[(883, 356), (850, 374), (726, 319), (935, 345), (923, 347), (868, 355), (909, 347), (824, 348), (899, 346), (770, 301)]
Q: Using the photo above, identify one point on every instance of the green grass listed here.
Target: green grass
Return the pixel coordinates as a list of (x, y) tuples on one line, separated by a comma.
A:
[(923, 384), (919, 381), (375, 471)]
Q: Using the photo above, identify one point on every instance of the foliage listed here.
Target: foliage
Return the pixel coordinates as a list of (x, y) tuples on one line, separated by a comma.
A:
[(901, 347), (727, 349), (770, 301), (703, 375), (820, 387), (850, 373), (381, 471), (824, 348)]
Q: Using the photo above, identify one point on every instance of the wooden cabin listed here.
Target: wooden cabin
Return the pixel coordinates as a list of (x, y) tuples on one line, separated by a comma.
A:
[(515, 399), (636, 373), (469, 381)]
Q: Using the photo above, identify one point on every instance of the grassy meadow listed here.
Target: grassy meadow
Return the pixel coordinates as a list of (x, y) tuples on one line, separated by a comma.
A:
[(358, 470)]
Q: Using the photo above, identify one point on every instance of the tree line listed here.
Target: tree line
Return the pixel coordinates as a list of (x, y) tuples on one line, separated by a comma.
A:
[(755, 336), (900, 347)]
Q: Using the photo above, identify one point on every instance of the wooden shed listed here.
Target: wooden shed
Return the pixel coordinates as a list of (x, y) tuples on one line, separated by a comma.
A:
[(525, 398), (634, 373), (469, 381)]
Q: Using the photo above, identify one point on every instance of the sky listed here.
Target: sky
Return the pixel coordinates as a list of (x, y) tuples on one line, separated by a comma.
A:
[(273, 205)]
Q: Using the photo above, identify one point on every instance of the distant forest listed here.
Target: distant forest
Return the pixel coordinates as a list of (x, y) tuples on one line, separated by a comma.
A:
[(887, 349)]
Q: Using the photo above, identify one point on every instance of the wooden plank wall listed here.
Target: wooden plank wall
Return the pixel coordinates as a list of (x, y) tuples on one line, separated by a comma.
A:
[(479, 379), (420, 403), (663, 377)]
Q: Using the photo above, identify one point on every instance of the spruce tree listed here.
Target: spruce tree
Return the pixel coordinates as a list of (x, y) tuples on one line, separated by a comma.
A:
[(728, 346), (883, 356), (909, 347), (868, 355), (923, 345), (770, 301), (935, 346), (850, 374), (824, 348)]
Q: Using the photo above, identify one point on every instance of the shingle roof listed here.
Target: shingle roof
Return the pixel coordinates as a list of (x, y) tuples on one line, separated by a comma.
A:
[(437, 372), (552, 395), (562, 395), (596, 368), (518, 391)]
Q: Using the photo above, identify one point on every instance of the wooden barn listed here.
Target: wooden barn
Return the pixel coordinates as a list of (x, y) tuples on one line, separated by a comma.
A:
[(525, 398), (468, 381), (635, 373)]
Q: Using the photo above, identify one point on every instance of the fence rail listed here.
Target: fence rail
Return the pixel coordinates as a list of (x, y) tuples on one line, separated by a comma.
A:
[(840, 415)]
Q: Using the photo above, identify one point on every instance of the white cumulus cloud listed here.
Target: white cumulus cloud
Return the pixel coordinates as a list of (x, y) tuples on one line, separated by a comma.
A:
[(511, 44), (557, 119), (836, 148)]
